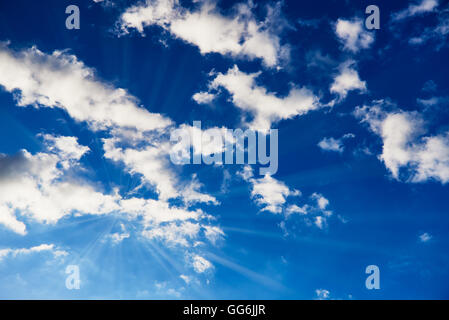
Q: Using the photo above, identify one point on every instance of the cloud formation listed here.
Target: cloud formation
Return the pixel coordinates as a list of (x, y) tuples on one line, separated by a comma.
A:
[(407, 152), (60, 80), (45, 186), (276, 197), (347, 80), (51, 248), (265, 107), (353, 35), (332, 144), (238, 34), (415, 9)]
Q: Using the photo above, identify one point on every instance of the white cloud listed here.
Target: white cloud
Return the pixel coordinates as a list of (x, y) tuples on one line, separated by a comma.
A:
[(266, 107), (425, 237), (200, 264), (270, 193), (416, 9), (152, 162), (322, 202), (8, 252), (322, 294), (429, 102), (347, 80), (60, 80), (118, 237), (174, 226), (40, 189), (213, 233), (45, 187), (273, 196), (406, 152), (437, 33), (319, 222), (238, 34), (36, 185), (332, 144), (174, 233), (296, 209), (203, 97), (185, 278), (67, 148), (352, 34)]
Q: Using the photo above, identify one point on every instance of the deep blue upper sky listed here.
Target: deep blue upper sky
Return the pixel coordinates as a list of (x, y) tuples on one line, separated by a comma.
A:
[(377, 219)]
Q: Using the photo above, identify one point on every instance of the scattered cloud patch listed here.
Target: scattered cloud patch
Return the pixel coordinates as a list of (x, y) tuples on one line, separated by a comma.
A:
[(425, 237), (51, 248), (60, 80), (203, 97), (35, 185), (353, 35), (276, 197), (322, 294), (238, 34), (416, 8), (335, 145), (200, 264), (347, 80), (407, 152), (265, 107), (437, 34)]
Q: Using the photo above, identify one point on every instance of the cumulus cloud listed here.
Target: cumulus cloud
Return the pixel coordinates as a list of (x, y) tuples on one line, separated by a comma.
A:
[(417, 8), (60, 80), (407, 152), (44, 186), (266, 107), (151, 162), (335, 145), (203, 97), (347, 80), (200, 264), (270, 193), (174, 226), (35, 186), (276, 197), (322, 202), (238, 34), (38, 186), (353, 35)]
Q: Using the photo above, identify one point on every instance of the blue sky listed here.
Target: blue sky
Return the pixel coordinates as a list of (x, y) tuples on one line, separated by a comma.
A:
[(363, 165)]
